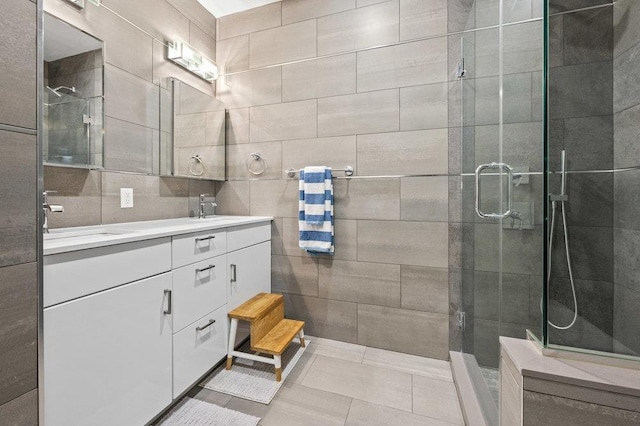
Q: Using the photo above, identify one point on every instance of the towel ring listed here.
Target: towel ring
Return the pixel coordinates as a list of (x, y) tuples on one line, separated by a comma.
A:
[(256, 157), (195, 162)]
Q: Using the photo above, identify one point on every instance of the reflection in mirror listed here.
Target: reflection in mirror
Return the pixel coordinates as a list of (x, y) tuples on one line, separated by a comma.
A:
[(73, 96), (192, 131)]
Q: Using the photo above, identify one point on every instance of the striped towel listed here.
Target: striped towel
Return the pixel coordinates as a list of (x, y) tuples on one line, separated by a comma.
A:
[(316, 210)]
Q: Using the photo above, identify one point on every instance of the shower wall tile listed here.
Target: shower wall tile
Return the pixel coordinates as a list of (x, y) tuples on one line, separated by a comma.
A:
[(626, 148), (626, 90), (17, 64), (425, 198), (129, 147), (583, 90), (256, 19), (377, 199), (360, 28), (517, 101), (232, 54), (294, 275), (394, 329), (556, 41), (79, 191), (422, 18), (424, 107), (360, 282), (588, 142), (485, 334), (425, 289), (21, 411), (626, 26), (588, 36), (19, 207), (237, 125), (331, 319), (404, 243), (417, 152), (301, 10), (521, 250), (292, 120), (371, 112), (591, 198), (239, 155), (19, 319), (283, 44), (626, 252), (277, 198), (592, 253), (522, 51), (232, 197), (336, 152), (261, 87), (522, 145), (408, 64), (625, 327), (556, 6), (626, 199), (345, 239), (319, 78), (461, 15), (140, 106)]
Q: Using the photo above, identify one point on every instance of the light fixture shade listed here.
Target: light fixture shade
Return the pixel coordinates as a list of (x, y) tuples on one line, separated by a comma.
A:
[(187, 57)]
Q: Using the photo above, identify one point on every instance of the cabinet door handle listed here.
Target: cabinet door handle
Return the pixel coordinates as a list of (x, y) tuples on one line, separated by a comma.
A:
[(207, 325), (198, 270), (233, 273), (209, 237), (167, 293)]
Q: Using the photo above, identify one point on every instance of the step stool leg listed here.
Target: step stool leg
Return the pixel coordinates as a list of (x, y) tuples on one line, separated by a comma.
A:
[(301, 335), (278, 363), (232, 342)]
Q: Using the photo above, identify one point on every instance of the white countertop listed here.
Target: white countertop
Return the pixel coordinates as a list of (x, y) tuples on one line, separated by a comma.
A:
[(86, 237)]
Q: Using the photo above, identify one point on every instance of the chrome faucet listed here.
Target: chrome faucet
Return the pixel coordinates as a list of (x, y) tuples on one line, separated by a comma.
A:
[(53, 208), (203, 203)]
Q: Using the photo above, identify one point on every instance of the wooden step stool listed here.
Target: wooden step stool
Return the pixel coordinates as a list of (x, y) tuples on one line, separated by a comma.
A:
[(271, 333)]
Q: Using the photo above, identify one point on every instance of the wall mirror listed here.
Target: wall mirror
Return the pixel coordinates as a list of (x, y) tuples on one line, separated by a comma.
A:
[(192, 132), (73, 96)]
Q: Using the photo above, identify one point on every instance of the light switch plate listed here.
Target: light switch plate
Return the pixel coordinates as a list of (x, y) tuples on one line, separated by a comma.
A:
[(126, 198)]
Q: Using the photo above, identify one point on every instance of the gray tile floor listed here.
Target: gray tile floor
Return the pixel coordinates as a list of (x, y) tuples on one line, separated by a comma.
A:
[(337, 383)]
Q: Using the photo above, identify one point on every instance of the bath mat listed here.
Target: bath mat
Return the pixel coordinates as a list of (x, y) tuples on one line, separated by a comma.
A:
[(193, 412), (252, 380)]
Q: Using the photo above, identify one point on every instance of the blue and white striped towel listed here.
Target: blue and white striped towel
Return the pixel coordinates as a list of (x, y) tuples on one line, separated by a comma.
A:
[(316, 210)]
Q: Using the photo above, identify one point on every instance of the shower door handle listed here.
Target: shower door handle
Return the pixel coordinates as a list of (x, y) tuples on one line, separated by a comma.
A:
[(495, 166)]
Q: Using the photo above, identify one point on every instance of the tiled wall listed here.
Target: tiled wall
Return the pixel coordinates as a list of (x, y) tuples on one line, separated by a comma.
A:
[(384, 111), (626, 198), (134, 65), (18, 214)]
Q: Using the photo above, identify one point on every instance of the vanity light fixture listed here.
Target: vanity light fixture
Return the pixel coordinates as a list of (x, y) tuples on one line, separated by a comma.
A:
[(187, 57), (78, 3)]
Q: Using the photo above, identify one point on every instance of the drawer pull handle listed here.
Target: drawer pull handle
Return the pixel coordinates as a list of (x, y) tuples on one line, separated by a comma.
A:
[(167, 294), (198, 270), (233, 273), (209, 237), (207, 325)]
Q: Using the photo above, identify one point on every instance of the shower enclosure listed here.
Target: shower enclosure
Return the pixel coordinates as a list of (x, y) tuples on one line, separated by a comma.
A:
[(550, 134)]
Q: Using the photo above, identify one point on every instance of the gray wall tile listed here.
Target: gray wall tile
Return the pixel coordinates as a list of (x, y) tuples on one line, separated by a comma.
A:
[(294, 275), (586, 90), (256, 19), (356, 114), (367, 199), (625, 200), (18, 188), (588, 36), (237, 126), (278, 198), (391, 328), (410, 64), (292, 120), (420, 18), (232, 197), (239, 155), (627, 133), (336, 152), (359, 282), (626, 252), (79, 192), (232, 54), (319, 78), (418, 152), (196, 14), (329, 318), (202, 41), (301, 10), (404, 243), (625, 328), (130, 147), (22, 411), (424, 198), (425, 289), (18, 332), (260, 87), (359, 28), (365, 3), (626, 17), (140, 106), (424, 107), (283, 44), (345, 239)]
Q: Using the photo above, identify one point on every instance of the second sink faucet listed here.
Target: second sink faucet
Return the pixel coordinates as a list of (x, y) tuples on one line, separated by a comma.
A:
[(203, 203), (53, 208)]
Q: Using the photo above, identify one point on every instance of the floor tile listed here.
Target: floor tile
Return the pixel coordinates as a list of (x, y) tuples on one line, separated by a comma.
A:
[(248, 407), (209, 396), (335, 349), (368, 414), (365, 382), (436, 399), (299, 405), (434, 368), (301, 368)]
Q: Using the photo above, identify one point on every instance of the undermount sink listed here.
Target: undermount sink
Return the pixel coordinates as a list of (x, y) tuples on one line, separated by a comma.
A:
[(87, 233)]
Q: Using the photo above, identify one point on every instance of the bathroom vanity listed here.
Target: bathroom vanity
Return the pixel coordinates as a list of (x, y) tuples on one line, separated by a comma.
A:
[(136, 313)]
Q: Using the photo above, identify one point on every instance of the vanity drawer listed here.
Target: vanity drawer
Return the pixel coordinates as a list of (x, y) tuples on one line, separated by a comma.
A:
[(75, 274), (247, 235), (197, 289), (191, 248), (198, 348)]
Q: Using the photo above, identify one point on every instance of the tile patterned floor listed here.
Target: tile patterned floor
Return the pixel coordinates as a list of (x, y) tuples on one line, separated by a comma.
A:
[(337, 383)]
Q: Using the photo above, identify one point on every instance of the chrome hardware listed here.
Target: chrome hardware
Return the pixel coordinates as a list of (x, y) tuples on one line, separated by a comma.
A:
[(53, 208), (233, 273), (210, 237), (348, 171), (207, 325), (495, 166), (203, 203), (198, 270), (167, 294), (461, 319)]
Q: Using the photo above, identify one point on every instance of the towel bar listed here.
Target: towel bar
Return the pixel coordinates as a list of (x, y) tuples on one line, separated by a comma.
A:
[(348, 171)]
